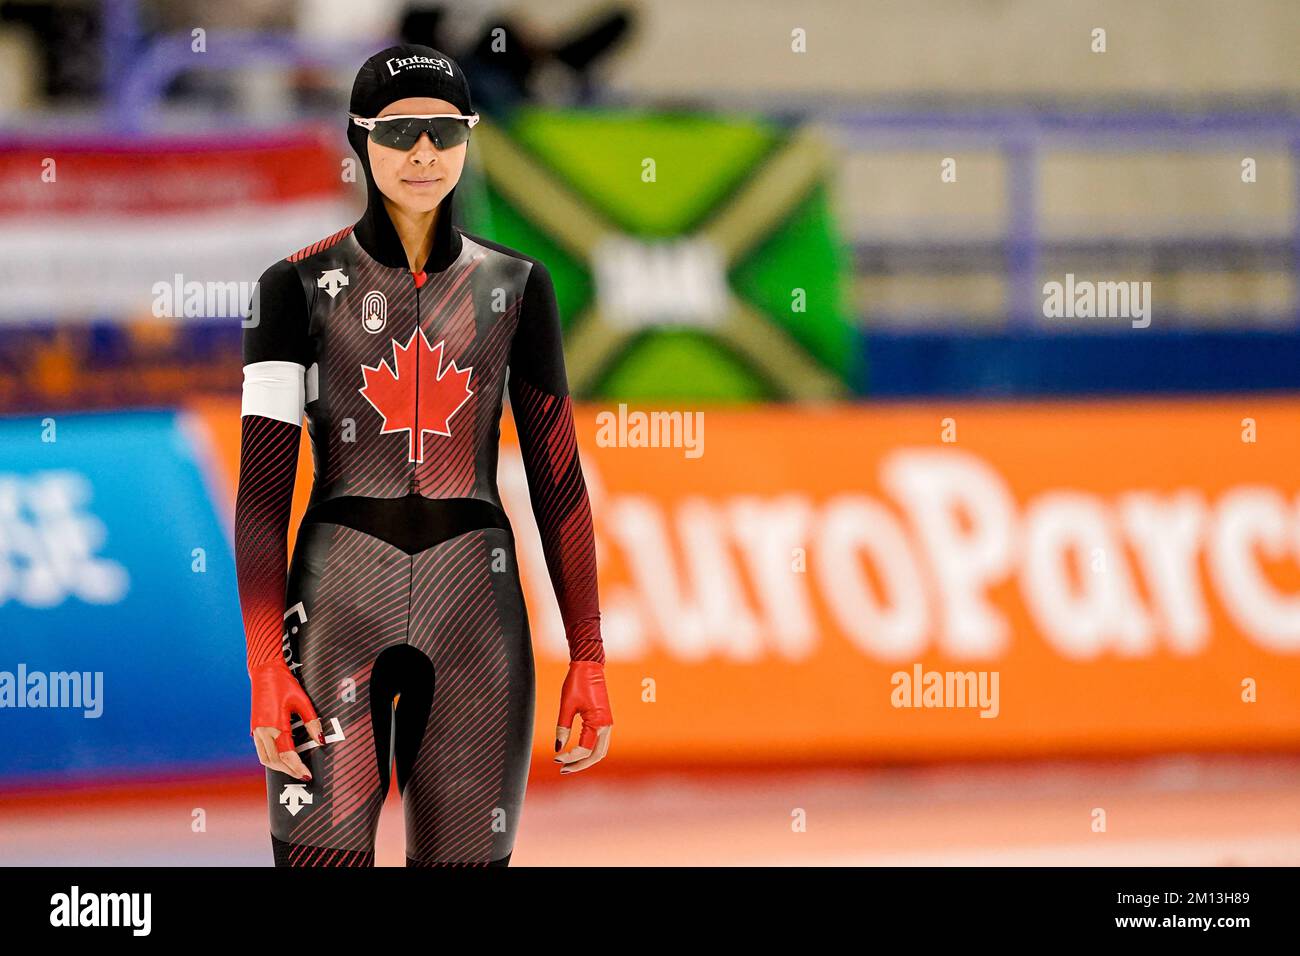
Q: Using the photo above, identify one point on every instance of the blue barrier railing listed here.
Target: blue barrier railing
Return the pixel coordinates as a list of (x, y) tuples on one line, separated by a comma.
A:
[(138, 71), (1024, 364)]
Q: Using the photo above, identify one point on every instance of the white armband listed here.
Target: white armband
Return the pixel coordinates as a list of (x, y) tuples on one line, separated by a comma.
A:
[(274, 390)]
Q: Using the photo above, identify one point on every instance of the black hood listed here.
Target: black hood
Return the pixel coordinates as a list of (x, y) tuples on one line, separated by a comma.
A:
[(393, 74), (374, 230)]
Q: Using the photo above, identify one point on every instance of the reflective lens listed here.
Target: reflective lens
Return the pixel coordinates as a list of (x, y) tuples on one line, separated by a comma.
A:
[(403, 133)]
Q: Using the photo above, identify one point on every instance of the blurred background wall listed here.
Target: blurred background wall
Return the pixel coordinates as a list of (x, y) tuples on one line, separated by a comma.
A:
[(829, 237)]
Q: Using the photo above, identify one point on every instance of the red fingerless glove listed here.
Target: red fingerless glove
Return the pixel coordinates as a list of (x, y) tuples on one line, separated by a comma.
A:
[(584, 693), (277, 695)]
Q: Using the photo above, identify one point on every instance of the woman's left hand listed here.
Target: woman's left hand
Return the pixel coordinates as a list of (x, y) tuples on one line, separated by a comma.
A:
[(584, 694)]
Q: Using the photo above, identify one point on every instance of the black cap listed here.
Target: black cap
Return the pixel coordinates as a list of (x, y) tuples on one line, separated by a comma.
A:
[(409, 70)]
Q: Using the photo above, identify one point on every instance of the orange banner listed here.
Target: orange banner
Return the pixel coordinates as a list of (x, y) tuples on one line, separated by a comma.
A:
[(900, 582)]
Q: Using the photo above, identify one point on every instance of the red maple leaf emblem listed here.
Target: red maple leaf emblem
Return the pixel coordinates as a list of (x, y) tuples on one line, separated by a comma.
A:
[(417, 394)]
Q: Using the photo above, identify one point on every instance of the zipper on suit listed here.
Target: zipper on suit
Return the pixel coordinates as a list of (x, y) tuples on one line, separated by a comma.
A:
[(418, 278)]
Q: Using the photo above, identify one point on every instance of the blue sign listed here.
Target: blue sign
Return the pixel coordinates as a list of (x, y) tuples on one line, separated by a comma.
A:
[(121, 644)]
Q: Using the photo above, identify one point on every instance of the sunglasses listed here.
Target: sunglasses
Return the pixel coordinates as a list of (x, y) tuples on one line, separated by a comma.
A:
[(402, 132)]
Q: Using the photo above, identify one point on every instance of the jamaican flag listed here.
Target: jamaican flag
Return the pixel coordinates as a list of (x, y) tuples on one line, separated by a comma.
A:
[(694, 256)]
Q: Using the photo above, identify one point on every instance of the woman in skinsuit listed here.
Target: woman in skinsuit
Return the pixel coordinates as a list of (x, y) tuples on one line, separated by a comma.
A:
[(399, 633)]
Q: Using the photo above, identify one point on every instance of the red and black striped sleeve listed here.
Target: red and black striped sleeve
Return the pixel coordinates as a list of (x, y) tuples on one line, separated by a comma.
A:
[(539, 396), (276, 354)]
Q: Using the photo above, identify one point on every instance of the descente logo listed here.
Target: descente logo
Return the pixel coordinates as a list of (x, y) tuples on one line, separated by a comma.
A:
[(427, 62), (102, 909)]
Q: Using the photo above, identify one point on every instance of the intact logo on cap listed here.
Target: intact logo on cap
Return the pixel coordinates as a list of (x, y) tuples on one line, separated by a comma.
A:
[(428, 62)]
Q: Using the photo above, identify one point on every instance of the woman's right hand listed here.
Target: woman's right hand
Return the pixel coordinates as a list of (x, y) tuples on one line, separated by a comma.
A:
[(277, 695)]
